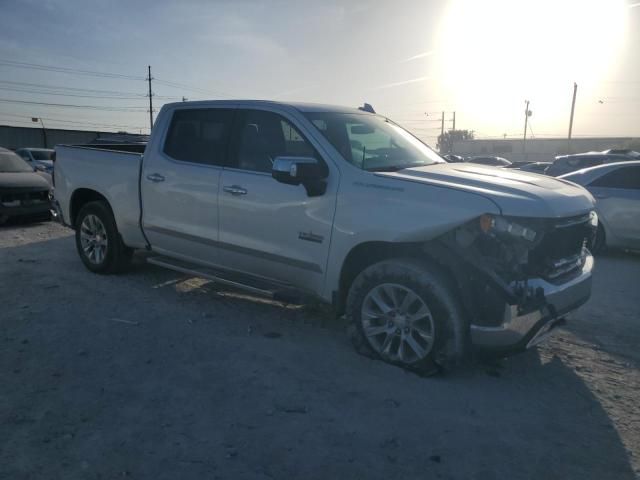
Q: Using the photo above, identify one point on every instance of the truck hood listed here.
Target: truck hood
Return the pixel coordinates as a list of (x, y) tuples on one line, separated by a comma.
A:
[(22, 180), (516, 193)]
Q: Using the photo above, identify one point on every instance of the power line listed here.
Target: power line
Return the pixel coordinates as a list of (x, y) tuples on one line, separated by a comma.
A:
[(89, 107), (115, 95), (192, 88), (39, 92), (74, 71), (72, 89), (77, 122)]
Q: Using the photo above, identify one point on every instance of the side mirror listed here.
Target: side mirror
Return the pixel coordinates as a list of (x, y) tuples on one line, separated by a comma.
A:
[(306, 171)]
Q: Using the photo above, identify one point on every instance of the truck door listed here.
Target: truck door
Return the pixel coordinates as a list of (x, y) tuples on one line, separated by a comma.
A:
[(180, 180), (268, 228)]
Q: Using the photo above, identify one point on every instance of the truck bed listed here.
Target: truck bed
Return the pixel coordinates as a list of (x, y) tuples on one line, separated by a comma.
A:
[(108, 170)]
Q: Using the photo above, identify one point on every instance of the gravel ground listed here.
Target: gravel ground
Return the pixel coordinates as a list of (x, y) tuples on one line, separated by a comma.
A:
[(156, 375)]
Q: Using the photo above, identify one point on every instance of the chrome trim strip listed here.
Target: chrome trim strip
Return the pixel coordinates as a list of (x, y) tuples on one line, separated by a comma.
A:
[(235, 248)]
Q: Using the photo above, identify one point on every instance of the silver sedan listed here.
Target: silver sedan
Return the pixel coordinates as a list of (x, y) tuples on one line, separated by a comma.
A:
[(616, 188)]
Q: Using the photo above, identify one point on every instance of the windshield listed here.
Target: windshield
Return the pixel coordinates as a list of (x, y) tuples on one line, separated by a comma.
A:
[(42, 154), (12, 163), (372, 142)]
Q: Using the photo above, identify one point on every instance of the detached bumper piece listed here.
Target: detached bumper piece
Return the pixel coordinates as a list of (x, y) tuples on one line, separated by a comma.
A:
[(520, 330)]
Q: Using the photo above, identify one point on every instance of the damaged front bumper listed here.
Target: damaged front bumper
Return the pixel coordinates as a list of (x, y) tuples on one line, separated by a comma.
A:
[(521, 330)]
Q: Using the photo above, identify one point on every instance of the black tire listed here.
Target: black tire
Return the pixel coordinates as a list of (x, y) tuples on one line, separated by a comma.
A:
[(600, 240), (117, 256), (450, 345)]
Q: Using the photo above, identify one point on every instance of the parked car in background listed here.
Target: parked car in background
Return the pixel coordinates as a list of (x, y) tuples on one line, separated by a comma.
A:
[(623, 151), (616, 188), (535, 167), (40, 159), (292, 201), (490, 160), (23, 192), (570, 163)]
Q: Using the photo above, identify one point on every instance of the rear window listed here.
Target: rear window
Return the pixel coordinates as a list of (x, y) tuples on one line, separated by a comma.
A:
[(584, 162), (199, 136)]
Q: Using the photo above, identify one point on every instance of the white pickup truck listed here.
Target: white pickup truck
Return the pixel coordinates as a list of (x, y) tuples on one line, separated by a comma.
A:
[(425, 258)]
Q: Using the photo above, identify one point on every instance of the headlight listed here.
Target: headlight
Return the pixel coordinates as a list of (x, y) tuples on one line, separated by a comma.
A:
[(593, 219), (502, 225)]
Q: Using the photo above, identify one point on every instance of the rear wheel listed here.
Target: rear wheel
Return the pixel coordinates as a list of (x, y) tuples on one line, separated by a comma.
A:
[(98, 241), (406, 313)]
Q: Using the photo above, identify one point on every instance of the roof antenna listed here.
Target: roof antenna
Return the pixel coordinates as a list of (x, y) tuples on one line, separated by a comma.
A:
[(367, 108)]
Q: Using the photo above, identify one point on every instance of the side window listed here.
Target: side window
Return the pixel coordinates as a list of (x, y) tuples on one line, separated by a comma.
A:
[(263, 136), (590, 162), (625, 177), (199, 135), (24, 155)]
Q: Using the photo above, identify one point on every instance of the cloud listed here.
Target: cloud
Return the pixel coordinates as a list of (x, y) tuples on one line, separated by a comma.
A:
[(404, 82), (418, 56)]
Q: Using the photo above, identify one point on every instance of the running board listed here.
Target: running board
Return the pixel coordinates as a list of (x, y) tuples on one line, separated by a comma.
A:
[(255, 286)]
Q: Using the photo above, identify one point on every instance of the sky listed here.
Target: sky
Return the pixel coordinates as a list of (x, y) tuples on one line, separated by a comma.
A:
[(412, 60)]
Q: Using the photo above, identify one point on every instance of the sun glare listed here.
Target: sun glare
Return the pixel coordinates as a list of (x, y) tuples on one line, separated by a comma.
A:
[(496, 53)]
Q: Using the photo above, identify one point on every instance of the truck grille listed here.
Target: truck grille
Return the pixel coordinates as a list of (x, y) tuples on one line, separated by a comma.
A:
[(23, 198), (561, 250)]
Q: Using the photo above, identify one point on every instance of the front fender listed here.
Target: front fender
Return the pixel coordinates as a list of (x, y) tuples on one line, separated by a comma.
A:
[(385, 210)]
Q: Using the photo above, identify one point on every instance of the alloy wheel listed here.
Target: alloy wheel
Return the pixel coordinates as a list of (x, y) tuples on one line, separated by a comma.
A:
[(397, 323), (93, 238)]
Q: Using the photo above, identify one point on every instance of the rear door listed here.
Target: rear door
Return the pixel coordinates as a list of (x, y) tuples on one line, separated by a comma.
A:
[(617, 196), (268, 228), (180, 180)]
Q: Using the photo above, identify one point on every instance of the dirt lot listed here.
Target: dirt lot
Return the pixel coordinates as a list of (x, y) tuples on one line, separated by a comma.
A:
[(156, 375)]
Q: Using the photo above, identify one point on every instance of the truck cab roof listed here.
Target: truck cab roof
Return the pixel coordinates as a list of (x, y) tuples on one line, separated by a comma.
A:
[(300, 106)]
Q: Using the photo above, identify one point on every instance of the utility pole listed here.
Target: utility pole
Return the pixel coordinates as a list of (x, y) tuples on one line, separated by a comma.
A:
[(527, 113), (149, 78), (573, 107), (454, 120), (44, 130), (442, 125)]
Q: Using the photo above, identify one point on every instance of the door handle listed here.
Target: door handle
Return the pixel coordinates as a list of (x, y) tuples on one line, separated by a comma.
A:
[(155, 177), (234, 190)]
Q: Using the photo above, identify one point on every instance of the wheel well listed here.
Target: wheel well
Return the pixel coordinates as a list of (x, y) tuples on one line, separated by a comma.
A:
[(79, 199), (366, 254)]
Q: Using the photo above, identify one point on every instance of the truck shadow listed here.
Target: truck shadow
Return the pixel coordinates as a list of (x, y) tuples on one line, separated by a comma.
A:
[(190, 356)]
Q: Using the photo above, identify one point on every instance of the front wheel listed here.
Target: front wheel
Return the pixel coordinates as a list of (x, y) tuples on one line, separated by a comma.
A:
[(98, 241), (406, 313)]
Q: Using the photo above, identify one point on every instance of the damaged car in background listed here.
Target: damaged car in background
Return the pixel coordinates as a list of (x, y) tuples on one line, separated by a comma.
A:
[(426, 260), (23, 191)]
